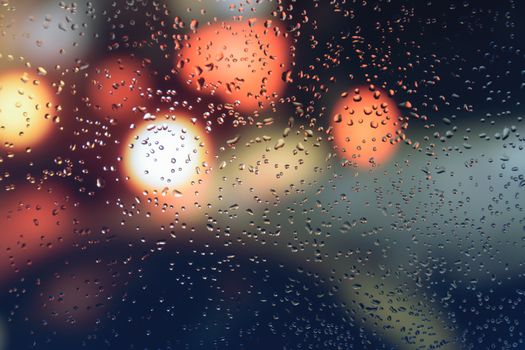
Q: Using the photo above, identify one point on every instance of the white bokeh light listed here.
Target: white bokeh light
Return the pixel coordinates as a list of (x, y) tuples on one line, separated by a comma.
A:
[(52, 32), (164, 155)]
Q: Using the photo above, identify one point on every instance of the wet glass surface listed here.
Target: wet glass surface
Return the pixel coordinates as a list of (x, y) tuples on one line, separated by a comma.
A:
[(262, 174)]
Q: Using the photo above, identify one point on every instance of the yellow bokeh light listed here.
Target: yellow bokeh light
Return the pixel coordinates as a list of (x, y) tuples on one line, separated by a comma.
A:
[(267, 164), (25, 105)]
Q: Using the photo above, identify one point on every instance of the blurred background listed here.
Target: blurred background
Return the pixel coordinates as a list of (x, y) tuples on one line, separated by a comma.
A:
[(254, 174)]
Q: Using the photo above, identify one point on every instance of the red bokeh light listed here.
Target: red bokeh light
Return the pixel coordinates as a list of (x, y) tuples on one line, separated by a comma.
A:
[(35, 223), (117, 86)]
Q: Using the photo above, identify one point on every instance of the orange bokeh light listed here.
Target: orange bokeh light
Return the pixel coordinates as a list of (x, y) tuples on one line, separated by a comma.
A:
[(365, 122), (26, 103), (239, 61), (117, 86)]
